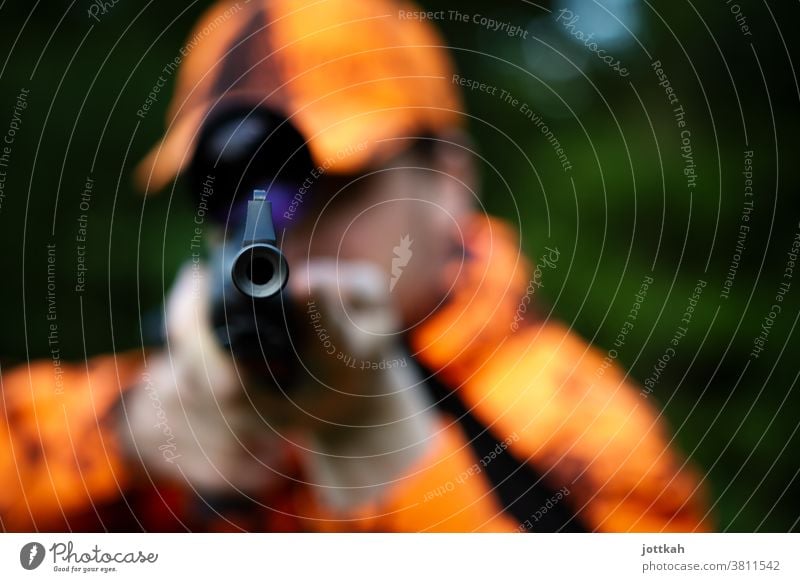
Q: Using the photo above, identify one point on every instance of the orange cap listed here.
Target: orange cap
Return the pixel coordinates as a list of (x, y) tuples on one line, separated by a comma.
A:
[(352, 76)]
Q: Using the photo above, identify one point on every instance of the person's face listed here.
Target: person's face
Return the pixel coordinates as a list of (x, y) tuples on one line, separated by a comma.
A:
[(405, 219)]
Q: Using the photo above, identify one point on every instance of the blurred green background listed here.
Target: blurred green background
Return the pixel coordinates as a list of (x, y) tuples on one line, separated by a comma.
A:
[(622, 212)]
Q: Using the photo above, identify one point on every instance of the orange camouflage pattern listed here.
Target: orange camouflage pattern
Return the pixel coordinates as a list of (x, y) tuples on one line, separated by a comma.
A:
[(581, 422), (355, 78), (63, 465)]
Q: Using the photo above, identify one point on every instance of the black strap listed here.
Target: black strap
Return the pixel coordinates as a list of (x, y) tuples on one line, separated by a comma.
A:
[(521, 490)]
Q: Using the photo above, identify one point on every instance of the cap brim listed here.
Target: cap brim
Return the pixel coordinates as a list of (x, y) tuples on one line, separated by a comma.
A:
[(355, 80)]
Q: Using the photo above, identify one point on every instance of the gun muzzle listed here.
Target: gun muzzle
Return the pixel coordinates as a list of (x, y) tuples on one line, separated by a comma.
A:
[(259, 269), (251, 313)]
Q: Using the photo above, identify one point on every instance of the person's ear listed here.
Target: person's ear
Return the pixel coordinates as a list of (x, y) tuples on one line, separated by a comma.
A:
[(453, 158)]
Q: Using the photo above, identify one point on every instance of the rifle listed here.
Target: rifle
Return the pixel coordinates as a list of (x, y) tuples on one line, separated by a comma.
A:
[(252, 315)]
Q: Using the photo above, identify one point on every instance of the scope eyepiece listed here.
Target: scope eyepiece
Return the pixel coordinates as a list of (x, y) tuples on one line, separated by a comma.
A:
[(259, 269)]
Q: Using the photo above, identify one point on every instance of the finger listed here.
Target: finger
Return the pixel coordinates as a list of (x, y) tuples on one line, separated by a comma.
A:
[(351, 293), (350, 282), (355, 303), (200, 367)]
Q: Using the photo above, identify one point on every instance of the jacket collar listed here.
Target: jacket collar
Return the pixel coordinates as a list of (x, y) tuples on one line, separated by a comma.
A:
[(478, 315)]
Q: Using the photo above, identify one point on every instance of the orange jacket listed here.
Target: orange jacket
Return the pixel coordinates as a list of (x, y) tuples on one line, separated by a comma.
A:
[(537, 433)]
